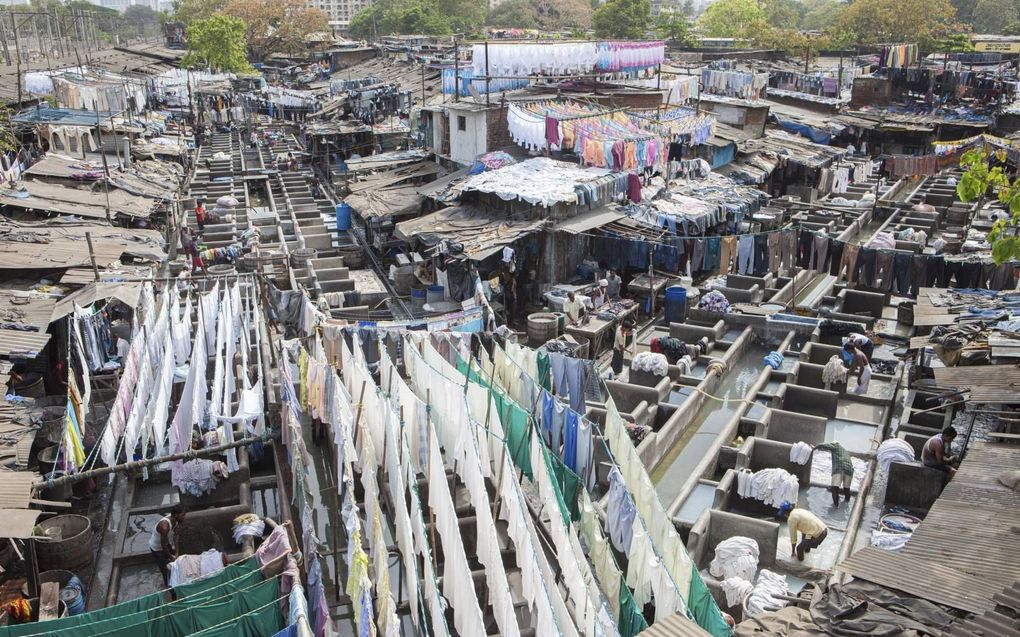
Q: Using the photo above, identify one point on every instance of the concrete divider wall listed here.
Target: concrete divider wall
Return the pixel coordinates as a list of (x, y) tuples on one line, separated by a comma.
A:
[(913, 486), (744, 282), (806, 400), (714, 526), (739, 295), (762, 453), (859, 302), (791, 427), (810, 375)]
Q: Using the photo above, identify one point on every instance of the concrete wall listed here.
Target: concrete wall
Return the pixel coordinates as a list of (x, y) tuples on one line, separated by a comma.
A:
[(739, 295), (806, 400), (788, 426), (858, 302), (714, 526), (762, 453), (467, 144), (810, 375), (913, 486)]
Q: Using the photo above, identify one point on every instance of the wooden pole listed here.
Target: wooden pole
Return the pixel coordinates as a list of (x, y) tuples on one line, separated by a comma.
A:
[(141, 464), (92, 255)]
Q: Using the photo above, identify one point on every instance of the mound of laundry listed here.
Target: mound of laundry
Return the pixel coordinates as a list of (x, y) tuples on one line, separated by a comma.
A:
[(735, 557), (771, 486), (650, 362), (188, 568), (894, 450)]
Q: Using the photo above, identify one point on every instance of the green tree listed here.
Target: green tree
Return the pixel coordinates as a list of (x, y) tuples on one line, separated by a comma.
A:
[(993, 16), (688, 8), (622, 19), (783, 14), (818, 14), (188, 11), (734, 19), (984, 174), (674, 26), (276, 26), (141, 20), (513, 14), (398, 17), (878, 21), (217, 42), (965, 10)]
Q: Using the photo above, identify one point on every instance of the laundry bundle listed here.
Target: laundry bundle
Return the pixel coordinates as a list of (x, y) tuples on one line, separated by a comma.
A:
[(800, 453), (188, 568), (767, 595), (714, 301), (834, 371), (771, 486), (226, 201), (650, 362), (894, 450), (737, 589), (773, 360), (248, 525), (736, 556)]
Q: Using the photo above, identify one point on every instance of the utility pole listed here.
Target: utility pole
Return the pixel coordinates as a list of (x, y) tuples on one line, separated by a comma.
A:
[(17, 51)]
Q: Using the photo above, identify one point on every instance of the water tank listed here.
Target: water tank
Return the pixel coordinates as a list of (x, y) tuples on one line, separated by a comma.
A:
[(343, 217)]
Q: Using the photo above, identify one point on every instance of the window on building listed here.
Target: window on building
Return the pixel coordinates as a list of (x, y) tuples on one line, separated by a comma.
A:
[(461, 122)]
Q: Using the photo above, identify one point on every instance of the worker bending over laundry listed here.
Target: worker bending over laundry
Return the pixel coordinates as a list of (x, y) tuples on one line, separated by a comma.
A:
[(804, 525), (674, 349), (937, 452), (842, 469), (857, 351)]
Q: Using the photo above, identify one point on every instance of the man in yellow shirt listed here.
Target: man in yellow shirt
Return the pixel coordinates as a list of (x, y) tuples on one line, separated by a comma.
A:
[(807, 524)]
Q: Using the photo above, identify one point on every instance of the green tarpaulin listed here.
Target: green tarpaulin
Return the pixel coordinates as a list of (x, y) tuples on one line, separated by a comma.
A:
[(230, 580)]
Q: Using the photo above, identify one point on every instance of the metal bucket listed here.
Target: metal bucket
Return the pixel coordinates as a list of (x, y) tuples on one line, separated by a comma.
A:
[(70, 543)]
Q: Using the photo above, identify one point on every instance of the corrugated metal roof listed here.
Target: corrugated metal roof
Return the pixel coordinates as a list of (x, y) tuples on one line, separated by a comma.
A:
[(987, 383), (674, 626), (965, 551), (924, 579), (16, 488), (22, 344), (1001, 621)]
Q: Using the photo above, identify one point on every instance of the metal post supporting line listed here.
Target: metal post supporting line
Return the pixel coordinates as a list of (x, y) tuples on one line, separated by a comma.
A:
[(456, 71), (92, 255)]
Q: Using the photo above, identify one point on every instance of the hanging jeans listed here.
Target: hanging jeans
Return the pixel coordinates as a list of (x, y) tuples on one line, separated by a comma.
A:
[(761, 254), (936, 265), (745, 254), (620, 512), (728, 255), (902, 276), (712, 253), (775, 243), (918, 272), (819, 252), (884, 269), (835, 256), (804, 249), (568, 378), (698, 255), (849, 260), (866, 266), (789, 242)]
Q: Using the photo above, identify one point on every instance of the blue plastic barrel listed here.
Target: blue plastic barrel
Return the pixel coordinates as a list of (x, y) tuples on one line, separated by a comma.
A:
[(676, 304), (417, 298), (343, 217), (434, 293)]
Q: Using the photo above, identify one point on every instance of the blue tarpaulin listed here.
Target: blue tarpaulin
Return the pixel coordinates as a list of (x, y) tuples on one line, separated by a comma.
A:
[(814, 134)]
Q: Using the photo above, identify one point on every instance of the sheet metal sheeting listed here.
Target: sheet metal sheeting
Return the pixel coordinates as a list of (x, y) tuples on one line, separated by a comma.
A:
[(481, 233), (22, 344), (81, 202), (924, 579), (386, 202), (987, 383), (964, 552), (126, 293), (972, 527), (796, 149), (16, 488), (1001, 621), (588, 220), (18, 523), (53, 245), (675, 626)]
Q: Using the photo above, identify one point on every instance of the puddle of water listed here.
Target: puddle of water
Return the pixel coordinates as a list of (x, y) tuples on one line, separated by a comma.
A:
[(818, 500), (855, 437), (155, 494), (710, 420), (732, 335), (757, 411), (699, 370), (139, 529), (700, 499), (139, 580), (678, 396), (823, 557), (860, 411)]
